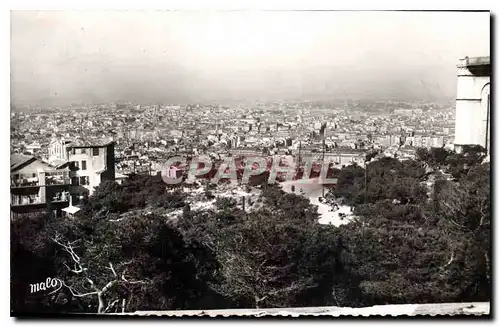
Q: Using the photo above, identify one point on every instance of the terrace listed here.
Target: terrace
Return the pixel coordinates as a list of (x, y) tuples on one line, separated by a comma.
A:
[(22, 200), (19, 180), (57, 178), (51, 178)]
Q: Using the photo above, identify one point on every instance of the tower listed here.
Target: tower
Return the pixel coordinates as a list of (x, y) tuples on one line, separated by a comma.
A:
[(472, 120)]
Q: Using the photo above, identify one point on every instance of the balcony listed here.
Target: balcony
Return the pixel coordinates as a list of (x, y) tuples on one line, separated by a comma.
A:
[(25, 182), (60, 181), (35, 181), (57, 178), (25, 200)]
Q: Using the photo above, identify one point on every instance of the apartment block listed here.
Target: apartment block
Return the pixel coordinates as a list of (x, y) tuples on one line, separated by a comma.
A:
[(94, 162), (38, 187)]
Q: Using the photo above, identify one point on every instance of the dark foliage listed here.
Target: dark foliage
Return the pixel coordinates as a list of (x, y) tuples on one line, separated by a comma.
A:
[(418, 236)]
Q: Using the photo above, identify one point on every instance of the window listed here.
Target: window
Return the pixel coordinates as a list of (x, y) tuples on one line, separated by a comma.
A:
[(33, 175), (77, 165), (84, 165), (95, 151), (84, 180), (84, 151)]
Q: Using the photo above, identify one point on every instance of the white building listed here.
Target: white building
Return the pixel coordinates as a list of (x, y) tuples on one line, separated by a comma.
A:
[(93, 162), (472, 121)]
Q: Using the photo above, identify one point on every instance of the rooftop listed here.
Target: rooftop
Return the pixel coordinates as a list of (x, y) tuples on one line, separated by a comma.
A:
[(17, 160), (88, 143), (57, 162)]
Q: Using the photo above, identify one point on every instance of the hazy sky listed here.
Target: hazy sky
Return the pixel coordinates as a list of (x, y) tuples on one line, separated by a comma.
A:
[(61, 57)]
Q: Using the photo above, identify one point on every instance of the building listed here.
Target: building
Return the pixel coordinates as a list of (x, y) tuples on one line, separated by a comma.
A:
[(472, 121), (345, 157), (38, 187), (403, 112), (437, 142), (58, 152), (173, 172), (94, 162)]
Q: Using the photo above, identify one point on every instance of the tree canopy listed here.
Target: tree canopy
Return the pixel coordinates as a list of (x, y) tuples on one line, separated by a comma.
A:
[(421, 234)]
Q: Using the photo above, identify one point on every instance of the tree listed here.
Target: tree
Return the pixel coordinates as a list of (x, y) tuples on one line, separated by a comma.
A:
[(460, 163), (396, 254), (419, 251), (84, 283), (435, 157), (138, 262), (111, 261), (387, 178), (464, 207), (223, 203), (31, 261), (270, 257), (123, 252), (350, 184)]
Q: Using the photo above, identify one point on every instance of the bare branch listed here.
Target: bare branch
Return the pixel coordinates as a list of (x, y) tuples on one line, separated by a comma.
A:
[(452, 258), (108, 286), (69, 249), (77, 270), (134, 281), (112, 304), (78, 294), (112, 269), (127, 262), (261, 299)]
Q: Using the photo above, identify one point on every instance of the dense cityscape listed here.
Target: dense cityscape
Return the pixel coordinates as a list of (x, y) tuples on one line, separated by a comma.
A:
[(146, 135)]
